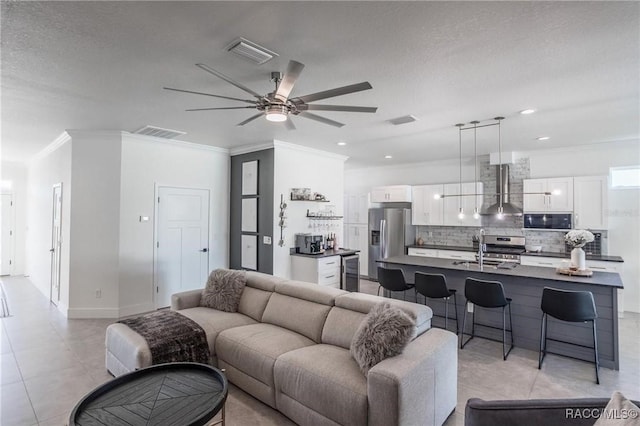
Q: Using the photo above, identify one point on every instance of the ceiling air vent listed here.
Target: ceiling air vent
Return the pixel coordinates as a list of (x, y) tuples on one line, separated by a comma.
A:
[(403, 120), (159, 132), (251, 51)]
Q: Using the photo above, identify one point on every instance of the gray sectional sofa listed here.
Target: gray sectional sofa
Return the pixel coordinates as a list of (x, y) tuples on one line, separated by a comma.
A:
[(288, 346)]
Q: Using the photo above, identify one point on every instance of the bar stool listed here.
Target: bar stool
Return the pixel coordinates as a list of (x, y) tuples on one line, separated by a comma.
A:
[(487, 294), (434, 286), (392, 280), (570, 306)]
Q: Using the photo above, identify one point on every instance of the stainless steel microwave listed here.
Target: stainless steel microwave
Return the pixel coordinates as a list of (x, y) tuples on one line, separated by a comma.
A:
[(548, 221)]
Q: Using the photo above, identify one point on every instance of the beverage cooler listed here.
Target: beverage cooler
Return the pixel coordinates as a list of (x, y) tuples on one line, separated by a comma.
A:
[(351, 273)]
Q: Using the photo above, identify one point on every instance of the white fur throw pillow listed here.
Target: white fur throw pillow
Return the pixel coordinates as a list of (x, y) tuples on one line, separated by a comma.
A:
[(383, 333), (619, 412), (223, 290)]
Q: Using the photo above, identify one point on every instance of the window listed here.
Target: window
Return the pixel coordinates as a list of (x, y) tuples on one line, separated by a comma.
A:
[(625, 177)]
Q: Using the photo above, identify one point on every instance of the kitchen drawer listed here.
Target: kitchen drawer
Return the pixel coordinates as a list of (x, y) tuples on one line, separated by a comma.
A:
[(422, 252), (457, 255), (329, 278), (545, 262), (329, 264), (602, 266)]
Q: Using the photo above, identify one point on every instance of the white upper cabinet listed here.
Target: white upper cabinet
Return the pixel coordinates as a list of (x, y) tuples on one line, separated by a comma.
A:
[(452, 203), (560, 200), (426, 209), (389, 194), (356, 208), (590, 201)]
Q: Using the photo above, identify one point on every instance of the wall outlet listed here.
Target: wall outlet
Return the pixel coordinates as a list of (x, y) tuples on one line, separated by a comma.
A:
[(470, 307), (98, 293), (430, 234), (266, 240)]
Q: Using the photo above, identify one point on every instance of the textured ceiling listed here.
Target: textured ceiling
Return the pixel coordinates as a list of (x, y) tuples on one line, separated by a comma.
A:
[(102, 65)]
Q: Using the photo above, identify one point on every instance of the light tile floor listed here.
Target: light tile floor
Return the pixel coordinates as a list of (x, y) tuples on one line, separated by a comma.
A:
[(49, 362)]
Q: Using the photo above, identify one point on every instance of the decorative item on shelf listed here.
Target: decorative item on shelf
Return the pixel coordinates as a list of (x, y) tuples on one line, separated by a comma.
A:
[(319, 197), (577, 239), (300, 194), (420, 241), (282, 222)]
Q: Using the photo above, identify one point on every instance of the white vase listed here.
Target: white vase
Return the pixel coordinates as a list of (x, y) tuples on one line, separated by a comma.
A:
[(578, 258)]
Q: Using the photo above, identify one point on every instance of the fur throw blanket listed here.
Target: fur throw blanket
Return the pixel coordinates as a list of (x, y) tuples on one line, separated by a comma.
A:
[(171, 337), (223, 290)]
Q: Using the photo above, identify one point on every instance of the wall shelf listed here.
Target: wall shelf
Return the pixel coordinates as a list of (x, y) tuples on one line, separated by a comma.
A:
[(314, 201), (314, 217)]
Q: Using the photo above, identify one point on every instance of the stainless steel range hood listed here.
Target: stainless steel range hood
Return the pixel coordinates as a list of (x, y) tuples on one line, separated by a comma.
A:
[(502, 193)]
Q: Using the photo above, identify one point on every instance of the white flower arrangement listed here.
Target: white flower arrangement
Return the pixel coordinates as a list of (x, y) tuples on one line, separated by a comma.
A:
[(578, 237)]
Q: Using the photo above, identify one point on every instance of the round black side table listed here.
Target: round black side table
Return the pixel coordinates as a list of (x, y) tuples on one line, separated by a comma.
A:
[(180, 393)]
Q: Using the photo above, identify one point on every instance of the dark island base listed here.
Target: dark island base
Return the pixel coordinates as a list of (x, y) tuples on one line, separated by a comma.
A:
[(526, 293)]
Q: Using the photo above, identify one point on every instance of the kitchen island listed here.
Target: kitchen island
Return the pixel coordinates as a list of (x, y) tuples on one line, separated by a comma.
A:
[(524, 284)]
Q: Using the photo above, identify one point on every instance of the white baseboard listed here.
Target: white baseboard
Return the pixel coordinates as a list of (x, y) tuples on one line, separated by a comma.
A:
[(140, 308)]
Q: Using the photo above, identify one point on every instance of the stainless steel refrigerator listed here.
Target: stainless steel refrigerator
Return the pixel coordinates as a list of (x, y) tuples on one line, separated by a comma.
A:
[(390, 231)]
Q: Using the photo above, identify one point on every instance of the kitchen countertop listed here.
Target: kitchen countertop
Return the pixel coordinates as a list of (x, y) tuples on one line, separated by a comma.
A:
[(328, 253), (602, 257), (607, 279)]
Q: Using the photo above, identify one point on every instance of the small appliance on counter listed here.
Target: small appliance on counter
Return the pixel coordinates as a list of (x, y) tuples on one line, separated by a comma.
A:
[(309, 244), (548, 221)]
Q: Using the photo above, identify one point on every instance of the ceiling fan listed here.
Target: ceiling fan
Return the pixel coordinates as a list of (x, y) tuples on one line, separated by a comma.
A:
[(278, 106)]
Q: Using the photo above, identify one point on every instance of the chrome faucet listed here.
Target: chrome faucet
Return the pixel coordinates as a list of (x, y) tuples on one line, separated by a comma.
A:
[(481, 249)]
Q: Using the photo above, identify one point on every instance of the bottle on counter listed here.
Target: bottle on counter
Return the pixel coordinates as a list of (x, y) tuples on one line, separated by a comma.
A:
[(336, 246)]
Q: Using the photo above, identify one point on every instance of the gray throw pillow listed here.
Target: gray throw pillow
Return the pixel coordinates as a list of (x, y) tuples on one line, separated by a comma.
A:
[(619, 412), (383, 333), (223, 290)]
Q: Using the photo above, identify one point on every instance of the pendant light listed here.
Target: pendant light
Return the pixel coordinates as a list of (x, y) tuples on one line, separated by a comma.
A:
[(501, 195), (476, 211), (460, 209)]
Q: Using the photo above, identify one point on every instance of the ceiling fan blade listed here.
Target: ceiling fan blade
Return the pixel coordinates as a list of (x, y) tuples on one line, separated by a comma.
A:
[(289, 123), (228, 79), (253, 117), (339, 91), (320, 119), (212, 109), (315, 107), (209, 94), (290, 76)]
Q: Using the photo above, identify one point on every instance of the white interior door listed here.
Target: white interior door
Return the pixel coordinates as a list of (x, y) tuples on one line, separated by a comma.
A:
[(6, 244), (182, 241), (56, 244)]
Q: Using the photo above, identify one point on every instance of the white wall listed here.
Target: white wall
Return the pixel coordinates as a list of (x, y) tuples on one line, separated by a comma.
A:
[(624, 205), (95, 209), (17, 174), (146, 162), (299, 167), (43, 172)]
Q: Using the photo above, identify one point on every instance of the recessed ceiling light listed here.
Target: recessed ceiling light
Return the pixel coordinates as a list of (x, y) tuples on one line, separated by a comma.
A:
[(527, 111), (342, 143), (543, 138), (387, 156)]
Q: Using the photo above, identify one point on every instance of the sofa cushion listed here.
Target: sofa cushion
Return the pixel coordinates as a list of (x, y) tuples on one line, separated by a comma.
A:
[(311, 292), (303, 317), (253, 302), (263, 281), (361, 302), (340, 327), (383, 333), (214, 321), (223, 290), (326, 380), (253, 349)]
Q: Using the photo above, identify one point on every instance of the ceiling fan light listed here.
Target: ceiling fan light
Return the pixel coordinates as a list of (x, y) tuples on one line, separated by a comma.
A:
[(276, 113)]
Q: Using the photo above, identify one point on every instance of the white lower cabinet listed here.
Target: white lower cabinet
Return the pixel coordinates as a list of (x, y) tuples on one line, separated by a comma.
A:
[(545, 262), (319, 270), (442, 254)]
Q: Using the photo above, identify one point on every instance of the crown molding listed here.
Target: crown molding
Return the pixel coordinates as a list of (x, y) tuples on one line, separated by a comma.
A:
[(177, 143), (245, 149), (295, 147), (63, 138)]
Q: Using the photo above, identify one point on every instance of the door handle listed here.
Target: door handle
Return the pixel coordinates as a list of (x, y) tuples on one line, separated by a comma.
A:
[(52, 250), (204, 250)]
